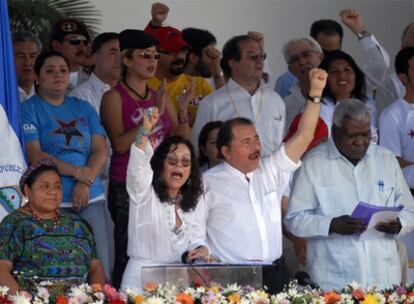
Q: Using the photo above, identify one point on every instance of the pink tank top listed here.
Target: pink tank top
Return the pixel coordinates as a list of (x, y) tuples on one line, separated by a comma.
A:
[(132, 112)]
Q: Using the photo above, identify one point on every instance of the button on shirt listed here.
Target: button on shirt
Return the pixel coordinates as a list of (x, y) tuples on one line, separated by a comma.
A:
[(244, 212), (397, 134), (328, 186), (265, 108)]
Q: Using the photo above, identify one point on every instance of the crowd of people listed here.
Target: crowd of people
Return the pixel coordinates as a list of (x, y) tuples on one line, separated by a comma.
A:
[(149, 147)]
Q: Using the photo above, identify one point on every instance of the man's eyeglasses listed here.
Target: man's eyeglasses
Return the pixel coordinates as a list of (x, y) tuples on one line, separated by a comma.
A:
[(261, 56), (77, 41), (148, 56), (305, 55), (174, 160)]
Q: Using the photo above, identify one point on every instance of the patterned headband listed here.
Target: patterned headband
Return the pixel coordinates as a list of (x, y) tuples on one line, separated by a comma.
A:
[(34, 166)]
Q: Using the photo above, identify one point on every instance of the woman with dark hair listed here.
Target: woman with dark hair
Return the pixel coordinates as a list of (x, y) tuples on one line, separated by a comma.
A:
[(207, 145), (122, 113), (345, 81), (69, 131), (166, 215), (38, 243)]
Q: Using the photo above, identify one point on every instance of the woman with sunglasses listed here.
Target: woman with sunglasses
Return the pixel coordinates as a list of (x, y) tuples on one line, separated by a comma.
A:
[(122, 112), (166, 203), (68, 130)]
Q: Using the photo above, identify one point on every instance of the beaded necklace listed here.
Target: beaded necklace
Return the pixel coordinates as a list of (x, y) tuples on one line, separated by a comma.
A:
[(56, 218)]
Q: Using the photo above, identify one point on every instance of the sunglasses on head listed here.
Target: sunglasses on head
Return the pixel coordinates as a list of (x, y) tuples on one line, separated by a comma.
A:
[(148, 56), (77, 41), (174, 160)]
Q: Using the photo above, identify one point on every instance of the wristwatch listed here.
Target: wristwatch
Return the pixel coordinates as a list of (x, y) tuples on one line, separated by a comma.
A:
[(362, 34), (314, 99)]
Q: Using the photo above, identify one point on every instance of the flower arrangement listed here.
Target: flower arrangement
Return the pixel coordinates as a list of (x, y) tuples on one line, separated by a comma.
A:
[(214, 294)]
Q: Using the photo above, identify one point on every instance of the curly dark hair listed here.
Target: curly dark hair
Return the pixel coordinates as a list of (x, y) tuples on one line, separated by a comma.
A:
[(193, 187), (359, 91)]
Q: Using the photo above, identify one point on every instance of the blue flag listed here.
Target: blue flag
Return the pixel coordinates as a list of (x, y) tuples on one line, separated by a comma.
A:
[(12, 161)]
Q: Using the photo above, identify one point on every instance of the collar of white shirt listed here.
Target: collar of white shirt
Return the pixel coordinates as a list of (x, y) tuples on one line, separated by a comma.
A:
[(97, 84), (245, 177), (235, 87)]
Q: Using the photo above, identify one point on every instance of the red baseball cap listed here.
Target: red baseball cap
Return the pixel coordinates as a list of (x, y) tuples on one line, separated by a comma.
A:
[(320, 135), (170, 39)]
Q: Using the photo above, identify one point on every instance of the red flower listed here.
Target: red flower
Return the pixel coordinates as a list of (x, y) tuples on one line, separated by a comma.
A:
[(61, 300), (358, 294), (5, 300), (117, 301)]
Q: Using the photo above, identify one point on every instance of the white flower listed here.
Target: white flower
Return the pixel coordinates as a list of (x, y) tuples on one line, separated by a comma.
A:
[(43, 293), (232, 288), (346, 299), (98, 302), (4, 290), (20, 299), (154, 300), (355, 285)]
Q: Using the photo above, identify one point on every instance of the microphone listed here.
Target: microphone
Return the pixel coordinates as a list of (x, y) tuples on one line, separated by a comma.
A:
[(304, 279)]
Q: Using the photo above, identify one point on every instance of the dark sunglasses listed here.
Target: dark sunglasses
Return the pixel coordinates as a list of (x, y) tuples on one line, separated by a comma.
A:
[(174, 161), (77, 41), (149, 56)]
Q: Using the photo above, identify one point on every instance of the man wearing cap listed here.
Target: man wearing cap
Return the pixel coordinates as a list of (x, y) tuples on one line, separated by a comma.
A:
[(26, 48), (70, 37), (174, 50)]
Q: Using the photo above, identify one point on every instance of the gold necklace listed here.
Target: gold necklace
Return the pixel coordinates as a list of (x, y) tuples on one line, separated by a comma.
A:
[(237, 110)]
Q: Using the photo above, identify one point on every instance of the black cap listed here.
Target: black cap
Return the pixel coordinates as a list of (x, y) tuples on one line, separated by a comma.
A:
[(64, 27), (136, 39)]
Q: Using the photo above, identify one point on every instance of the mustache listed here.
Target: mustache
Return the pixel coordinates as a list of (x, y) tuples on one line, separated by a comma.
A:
[(178, 61)]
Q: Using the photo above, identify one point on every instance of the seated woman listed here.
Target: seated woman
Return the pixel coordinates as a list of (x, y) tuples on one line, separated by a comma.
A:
[(345, 80), (207, 145), (38, 243), (68, 130), (166, 215)]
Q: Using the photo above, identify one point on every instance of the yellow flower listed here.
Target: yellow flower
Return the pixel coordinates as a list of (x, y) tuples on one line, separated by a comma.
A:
[(370, 299), (234, 298), (139, 299), (215, 289)]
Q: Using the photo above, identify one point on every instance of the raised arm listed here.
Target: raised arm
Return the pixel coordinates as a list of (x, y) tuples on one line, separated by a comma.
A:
[(298, 143)]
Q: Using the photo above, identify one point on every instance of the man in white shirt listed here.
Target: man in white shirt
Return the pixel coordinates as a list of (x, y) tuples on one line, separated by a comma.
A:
[(392, 88), (106, 71), (243, 193), (245, 95), (396, 126), (26, 48), (334, 177), (70, 37)]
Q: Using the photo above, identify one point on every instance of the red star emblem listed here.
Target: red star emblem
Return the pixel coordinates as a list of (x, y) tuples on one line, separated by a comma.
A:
[(67, 129), (411, 133)]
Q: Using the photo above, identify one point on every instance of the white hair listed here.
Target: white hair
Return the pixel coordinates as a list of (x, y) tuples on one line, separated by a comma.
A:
[(309, 40), (351, 108)]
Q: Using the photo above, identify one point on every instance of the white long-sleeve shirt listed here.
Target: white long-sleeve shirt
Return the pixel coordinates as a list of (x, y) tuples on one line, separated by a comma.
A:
[(328, 186), (397, 134), (152, 237), (244, 221), (265, 108)]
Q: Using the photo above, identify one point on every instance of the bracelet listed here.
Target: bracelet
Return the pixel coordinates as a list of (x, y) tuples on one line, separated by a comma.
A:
[(183, 119), (142, 132)]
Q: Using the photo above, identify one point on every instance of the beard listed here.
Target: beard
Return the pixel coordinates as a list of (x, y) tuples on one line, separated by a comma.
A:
[(177, 67)]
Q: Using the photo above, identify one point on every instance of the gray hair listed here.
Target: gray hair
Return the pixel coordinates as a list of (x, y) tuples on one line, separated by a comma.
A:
[(406, 32), (309, 40), (351, 108), (27, 37)]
